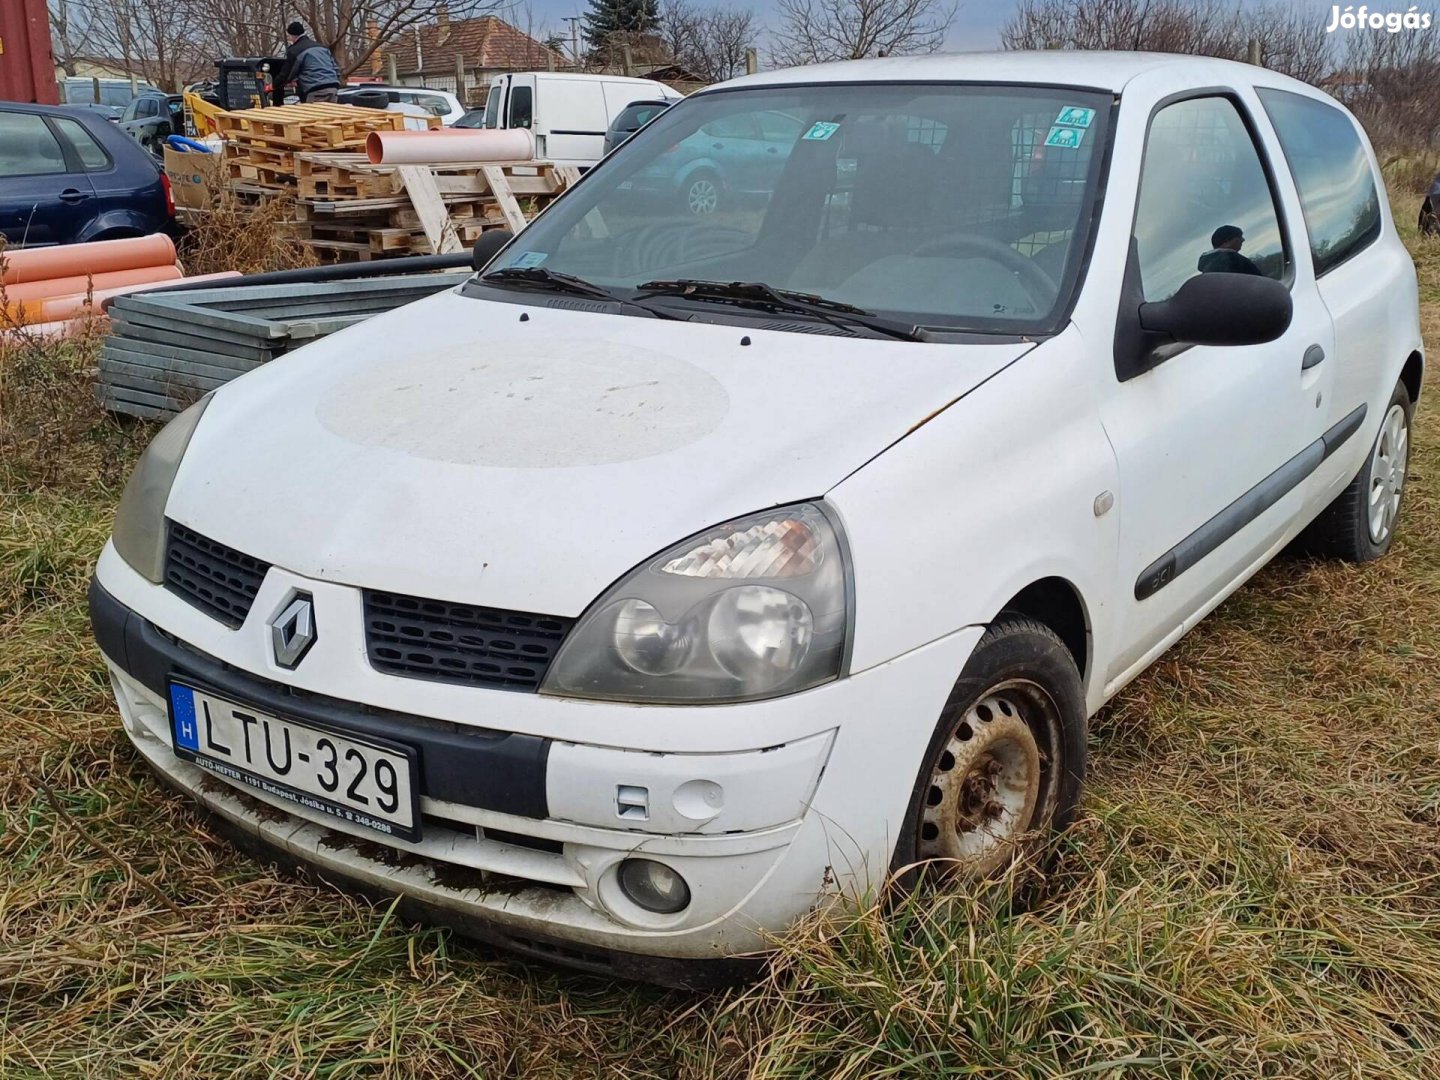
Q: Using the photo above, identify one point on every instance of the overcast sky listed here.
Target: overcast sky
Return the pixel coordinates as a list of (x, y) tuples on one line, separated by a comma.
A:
[(977, 25)]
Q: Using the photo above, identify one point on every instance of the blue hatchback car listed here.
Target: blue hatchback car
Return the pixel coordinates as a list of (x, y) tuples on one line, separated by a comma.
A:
[(70, 175)]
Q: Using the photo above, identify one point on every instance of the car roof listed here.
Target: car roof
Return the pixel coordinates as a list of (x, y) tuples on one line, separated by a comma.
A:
[(77, 110), (1100, 70)]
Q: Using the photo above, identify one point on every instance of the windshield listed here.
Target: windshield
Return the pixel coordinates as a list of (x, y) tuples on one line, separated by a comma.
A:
[(949, 206)]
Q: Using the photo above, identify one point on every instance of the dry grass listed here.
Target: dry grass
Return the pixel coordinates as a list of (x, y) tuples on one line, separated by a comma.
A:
[(1253, 891), (249, 237)]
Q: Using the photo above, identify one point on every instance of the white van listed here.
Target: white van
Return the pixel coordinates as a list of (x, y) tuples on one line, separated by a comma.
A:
[(568, 113)]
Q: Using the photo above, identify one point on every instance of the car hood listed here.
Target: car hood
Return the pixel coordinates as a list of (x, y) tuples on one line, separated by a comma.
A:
[(524, 457)]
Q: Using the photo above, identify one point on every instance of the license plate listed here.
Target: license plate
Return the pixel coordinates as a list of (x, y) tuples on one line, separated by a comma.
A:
[(356, 779)]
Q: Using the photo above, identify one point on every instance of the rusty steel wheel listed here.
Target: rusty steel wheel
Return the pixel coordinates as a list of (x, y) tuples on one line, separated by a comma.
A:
[(1005, 762), (990, 788)]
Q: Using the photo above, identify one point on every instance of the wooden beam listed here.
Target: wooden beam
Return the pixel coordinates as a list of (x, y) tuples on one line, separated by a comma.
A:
[(500, 188), (419, 184)]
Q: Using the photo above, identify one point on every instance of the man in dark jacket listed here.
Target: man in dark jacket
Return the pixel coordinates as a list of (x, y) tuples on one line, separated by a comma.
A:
[(310, 66), (1224, 255)]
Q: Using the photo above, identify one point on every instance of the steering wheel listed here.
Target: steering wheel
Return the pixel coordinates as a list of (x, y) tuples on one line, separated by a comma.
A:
[(1035, 281)]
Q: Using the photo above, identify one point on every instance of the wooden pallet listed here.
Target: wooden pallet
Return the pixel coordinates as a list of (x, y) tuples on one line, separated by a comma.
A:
[(351, 176), (346, 202), (307, 127)]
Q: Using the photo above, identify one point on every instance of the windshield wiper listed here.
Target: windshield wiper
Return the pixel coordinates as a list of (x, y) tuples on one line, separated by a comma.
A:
[(758, 294), (539, 277)]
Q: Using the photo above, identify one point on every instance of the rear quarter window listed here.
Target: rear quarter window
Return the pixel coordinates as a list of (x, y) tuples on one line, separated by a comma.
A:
[(1338, 194), (92, 155)]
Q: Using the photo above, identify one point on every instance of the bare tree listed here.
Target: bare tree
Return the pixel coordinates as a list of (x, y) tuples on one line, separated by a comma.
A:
[(710, 41), (814, 31), (69, 29), (159, 41), (1292, 40)]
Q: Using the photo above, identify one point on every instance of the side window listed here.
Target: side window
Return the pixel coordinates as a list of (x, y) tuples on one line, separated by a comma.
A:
[(28, 147), (1205, 204), (779, 127), (735, 126), (1338, 195), (492, 106), (522, 106), (92, 154)]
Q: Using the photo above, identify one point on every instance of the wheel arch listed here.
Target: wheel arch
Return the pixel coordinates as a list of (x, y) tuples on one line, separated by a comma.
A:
[(1056, 603), (1412, 374)]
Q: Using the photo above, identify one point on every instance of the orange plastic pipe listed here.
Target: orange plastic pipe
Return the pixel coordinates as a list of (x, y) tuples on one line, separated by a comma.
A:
[(79, 283), (51, 308), (99, 257), (449, 145)]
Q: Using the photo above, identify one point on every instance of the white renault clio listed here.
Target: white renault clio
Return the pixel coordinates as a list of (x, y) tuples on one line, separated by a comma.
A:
[(679, 571)]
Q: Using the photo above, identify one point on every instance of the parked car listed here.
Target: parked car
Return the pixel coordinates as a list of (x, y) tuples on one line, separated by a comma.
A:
[(151, 118), (730, 158), (631, 119), (568, 113), (439, 103), (1430, 210), (678, 574), (114, 94), (68, 174)]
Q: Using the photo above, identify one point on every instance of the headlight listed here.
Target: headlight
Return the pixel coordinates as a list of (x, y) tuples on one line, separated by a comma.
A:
[(754, 608), (139, 534)]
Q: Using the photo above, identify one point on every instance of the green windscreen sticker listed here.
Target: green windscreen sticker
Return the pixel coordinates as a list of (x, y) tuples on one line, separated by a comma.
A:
[(1066, 138), (1075, 116), (822, 130)]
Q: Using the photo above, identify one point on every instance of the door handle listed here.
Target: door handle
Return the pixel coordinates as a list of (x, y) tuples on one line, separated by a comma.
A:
[(1313, 355), (72, 195)]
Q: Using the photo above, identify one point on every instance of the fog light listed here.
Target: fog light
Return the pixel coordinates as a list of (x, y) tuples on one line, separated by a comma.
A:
[(654, 886)]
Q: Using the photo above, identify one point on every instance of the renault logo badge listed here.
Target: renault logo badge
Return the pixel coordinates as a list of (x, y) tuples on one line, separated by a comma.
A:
[(292, 632)]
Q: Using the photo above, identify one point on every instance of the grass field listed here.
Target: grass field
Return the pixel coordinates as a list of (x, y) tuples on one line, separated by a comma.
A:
[(1253, 889)]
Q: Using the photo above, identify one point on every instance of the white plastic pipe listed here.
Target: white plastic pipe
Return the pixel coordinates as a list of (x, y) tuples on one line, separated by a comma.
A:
[(449, 145)]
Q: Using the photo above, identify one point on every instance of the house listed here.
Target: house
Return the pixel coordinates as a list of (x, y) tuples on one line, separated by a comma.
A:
[(486, 46)]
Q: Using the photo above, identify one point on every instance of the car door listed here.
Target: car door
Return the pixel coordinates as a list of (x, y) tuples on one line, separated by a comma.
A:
[(1361, 281), (44, 192), (1214, 443)]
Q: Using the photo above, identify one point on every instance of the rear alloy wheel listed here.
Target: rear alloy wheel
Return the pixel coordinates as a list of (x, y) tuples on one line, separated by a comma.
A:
[(1007, 760), (702, 196), (1387, 473), (1360, 524)]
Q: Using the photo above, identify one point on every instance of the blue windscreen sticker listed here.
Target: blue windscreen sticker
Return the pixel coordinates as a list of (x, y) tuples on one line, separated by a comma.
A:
[(531, 258), (822, 130), (1066, 138), (1075, 116)]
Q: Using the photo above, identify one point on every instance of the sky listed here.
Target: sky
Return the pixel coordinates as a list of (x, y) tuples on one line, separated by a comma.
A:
[(977, 24)]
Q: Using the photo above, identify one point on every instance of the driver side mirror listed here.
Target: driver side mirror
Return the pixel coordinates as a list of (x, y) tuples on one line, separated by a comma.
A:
[(487, 246), (1221, 309)]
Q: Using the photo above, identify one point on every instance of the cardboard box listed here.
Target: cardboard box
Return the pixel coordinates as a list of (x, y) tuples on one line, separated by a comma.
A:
[(194, 178)]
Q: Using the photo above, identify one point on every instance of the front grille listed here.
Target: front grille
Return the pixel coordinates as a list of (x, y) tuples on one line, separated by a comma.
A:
[(219, 580), (460, 643)]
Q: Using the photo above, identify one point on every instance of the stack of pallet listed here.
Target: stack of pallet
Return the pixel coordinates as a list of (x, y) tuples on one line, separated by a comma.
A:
[(350, 208), (261, 144)]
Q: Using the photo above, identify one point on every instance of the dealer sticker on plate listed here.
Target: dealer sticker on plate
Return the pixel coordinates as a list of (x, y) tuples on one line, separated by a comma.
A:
[(359, 780)]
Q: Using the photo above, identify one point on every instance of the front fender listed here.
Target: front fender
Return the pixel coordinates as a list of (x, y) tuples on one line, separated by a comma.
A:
[(998, 490)]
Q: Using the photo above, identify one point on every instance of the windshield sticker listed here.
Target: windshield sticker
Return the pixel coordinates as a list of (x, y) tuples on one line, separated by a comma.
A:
[(822, 130), (1066, 138), (531, 258), (1075, 116)]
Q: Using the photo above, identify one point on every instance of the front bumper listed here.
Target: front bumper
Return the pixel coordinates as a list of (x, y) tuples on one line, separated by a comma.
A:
[(522, 833)]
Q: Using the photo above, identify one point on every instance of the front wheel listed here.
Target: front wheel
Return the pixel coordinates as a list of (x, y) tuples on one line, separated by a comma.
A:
[(1006, 764), (1360, 524)]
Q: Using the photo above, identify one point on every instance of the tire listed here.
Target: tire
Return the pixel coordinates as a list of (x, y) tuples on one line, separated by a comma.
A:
[(702, 194), (1429, 223), (1347, 529), (977, 769)]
